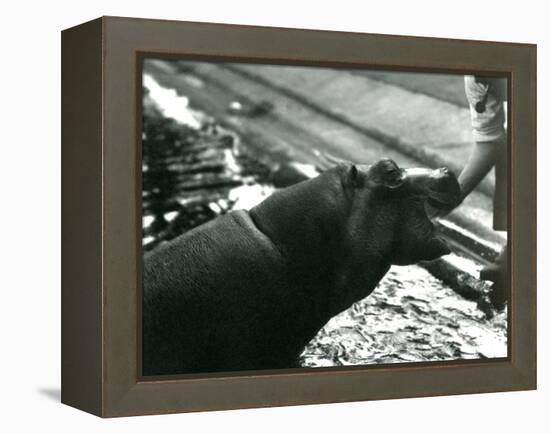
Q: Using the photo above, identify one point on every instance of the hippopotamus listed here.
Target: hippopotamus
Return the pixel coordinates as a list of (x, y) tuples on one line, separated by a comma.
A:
[(249, 289)]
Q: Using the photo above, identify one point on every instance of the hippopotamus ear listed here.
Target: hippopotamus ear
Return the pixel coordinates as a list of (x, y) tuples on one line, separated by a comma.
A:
[(357, 175), (386, 173)]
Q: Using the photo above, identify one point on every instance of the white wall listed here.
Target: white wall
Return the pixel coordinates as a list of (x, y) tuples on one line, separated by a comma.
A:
[(30, 214)]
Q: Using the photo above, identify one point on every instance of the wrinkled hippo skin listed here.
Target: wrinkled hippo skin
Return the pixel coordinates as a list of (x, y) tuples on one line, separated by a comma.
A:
[(249, 290)]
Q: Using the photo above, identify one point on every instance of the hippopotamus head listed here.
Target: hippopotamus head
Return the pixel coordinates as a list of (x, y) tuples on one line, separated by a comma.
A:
[(388, 209)]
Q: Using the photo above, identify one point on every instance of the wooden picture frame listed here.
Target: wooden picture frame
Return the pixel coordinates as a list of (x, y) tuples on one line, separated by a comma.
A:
[(101, 246)]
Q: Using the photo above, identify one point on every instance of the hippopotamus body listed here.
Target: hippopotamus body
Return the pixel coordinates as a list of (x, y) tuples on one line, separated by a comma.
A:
[(250, 289)]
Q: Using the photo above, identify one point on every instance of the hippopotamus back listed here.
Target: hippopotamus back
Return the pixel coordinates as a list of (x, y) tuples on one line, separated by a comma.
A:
[(219, 298)]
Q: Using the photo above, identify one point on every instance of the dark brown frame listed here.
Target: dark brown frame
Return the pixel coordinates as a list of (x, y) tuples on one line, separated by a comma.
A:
[(101, 229)]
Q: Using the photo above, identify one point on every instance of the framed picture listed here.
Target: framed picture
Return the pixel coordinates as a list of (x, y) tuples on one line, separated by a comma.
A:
[(262, 217)]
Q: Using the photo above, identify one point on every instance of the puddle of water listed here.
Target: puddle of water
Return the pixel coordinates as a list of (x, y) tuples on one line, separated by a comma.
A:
[(169, 216), (147, 220), (170, 103), (248, 196)]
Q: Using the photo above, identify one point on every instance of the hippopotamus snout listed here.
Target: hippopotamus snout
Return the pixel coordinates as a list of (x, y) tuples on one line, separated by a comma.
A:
[(439, 186)]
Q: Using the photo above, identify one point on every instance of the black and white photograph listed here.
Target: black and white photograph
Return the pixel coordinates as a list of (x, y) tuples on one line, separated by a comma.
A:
[(305, 216), (275, 217)]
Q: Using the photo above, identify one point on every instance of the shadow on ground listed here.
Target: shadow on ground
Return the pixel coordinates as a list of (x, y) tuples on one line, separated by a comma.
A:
[(52, 393)]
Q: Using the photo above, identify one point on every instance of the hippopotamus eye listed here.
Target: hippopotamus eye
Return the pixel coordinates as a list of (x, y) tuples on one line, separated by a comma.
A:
[(392, 171)]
